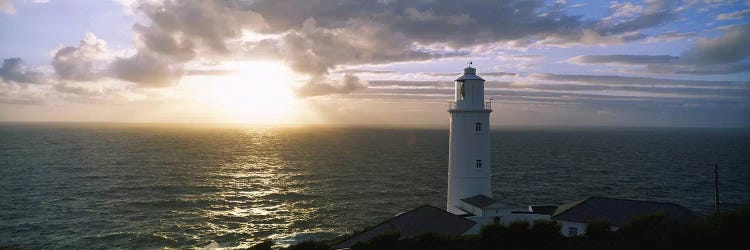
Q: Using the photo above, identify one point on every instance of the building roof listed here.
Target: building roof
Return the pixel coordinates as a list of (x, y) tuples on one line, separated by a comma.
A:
[(415, 222), (543, 209), (619, 211), (469, 74), (480, 201)]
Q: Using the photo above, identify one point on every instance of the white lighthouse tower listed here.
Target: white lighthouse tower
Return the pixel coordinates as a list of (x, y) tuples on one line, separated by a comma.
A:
[(469, 151)]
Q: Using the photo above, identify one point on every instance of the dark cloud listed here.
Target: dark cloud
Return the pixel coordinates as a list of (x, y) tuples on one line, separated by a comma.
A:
[(624, 24), (15, 70), (409, 84), (671, 36), (627, 17), (178, 27), (165, 43), (728, 48), (469, 22), (698, 69), (76, 90), (721, 55), (147, 70), (315, 50), (77, 63), (630, 80), (315, 37), (624, 59), (639, 23), (179, 31), (456, 74), (366, 71), (318, 87)]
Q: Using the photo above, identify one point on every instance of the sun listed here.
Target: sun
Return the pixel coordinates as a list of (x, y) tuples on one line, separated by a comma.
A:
[(252, 92)]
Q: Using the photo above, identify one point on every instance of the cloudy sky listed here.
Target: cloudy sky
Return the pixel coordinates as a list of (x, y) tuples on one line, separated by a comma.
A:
[(547, 63)]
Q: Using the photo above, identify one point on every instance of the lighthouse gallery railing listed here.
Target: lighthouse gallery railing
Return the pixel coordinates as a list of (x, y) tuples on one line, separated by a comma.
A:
[(453, 105)]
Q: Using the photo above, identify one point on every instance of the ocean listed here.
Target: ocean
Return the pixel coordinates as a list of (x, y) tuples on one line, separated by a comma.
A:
[(153, 186)]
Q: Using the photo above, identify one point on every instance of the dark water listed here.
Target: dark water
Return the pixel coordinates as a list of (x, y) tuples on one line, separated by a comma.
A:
[(125, 186)]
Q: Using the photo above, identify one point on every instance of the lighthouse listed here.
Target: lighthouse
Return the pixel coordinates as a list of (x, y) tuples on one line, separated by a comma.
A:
[(469, 149)]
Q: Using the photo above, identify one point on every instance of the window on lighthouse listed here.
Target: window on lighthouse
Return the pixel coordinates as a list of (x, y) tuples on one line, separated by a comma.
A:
[(479, 163), (478, 127), (462, 90)]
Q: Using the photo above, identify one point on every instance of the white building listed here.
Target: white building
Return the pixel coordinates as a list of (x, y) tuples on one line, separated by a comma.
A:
[(469, 173), (469, 150)]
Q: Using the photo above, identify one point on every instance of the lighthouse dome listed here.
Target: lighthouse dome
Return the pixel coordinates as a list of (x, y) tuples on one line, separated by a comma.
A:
[(469, 74)]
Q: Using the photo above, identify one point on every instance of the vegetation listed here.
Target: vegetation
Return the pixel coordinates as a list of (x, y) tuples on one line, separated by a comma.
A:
[(719, 231)]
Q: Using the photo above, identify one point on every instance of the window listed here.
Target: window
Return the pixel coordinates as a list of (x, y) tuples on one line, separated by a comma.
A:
[(479, 163), (478, 127), (572, 231), (463, 90)]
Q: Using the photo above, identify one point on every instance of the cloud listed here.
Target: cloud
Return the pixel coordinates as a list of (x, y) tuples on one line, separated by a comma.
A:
[(721, 55), (500, 74), (631, 80), (179, 31), (210, 72), (77, 63), (699, 69), (587, 36), (365, 71), (315, 50), (521, 57), (623, 59), (146, 70), (15, 70), (179, 27), (471, 23), (733, 15), (314, 37), (670, 36), (627, 17), (91, 61), (68, 88), (164, 43), (457, 74), (6, 7), (729, 47), (318, 87), (549, 85)]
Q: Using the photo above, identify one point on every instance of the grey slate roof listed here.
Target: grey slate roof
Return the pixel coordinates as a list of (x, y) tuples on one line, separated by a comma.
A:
[(544, 209), (480, 201), (619, 211), (415, 222)]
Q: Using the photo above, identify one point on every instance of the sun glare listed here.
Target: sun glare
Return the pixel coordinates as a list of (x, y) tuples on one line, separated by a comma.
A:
[(258, 92)]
